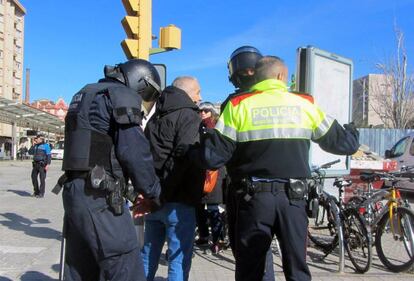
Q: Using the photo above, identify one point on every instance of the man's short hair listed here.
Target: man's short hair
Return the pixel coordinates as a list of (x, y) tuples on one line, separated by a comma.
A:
[(268, 67), (189, 85), (182, 82)]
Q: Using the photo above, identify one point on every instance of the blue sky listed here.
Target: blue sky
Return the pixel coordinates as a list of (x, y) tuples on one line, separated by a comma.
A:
[(67, 43)]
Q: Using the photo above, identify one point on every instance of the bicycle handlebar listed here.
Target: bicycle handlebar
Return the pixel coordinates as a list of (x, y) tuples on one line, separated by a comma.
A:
[(325, 166), (329, 164)]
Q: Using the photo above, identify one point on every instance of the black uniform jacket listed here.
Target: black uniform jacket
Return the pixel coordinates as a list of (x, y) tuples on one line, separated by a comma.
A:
[(175, 121)]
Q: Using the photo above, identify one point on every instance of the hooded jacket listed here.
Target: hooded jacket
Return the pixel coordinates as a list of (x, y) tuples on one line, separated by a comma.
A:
[(175, 121)]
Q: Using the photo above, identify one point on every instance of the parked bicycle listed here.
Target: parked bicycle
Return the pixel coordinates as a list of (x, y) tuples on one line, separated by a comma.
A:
[(335, 224), (389, 224)]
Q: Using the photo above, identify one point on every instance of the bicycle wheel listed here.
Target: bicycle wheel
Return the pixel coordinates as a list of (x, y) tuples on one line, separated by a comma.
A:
[(395, 239), (357, 241), (322, 229)]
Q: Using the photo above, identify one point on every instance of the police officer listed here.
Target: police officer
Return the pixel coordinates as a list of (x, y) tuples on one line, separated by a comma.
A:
[(41, 159), (241, 70), (241, 74), (103, 144), (264, 137)]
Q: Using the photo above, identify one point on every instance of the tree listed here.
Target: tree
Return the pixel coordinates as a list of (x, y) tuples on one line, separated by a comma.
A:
[(393, 96)]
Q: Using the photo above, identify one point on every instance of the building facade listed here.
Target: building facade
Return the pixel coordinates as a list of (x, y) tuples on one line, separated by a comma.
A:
[(60, 108), (367, 94), (11, 62)]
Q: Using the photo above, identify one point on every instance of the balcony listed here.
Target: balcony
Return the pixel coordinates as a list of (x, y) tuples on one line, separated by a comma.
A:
[(18, 26)]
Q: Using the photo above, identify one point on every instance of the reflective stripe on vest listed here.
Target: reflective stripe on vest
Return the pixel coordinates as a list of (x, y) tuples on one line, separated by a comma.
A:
[(272, 113)]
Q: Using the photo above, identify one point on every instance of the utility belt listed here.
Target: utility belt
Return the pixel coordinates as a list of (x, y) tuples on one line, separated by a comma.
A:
[(39, 163), (97, 179), (296, 189)]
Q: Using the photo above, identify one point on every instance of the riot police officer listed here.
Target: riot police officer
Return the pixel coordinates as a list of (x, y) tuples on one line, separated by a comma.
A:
[(241, 74), (41, 159), (104, 144)]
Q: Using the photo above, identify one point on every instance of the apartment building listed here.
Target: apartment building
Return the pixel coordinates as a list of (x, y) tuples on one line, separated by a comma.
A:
[(11, 61), (365, 99)]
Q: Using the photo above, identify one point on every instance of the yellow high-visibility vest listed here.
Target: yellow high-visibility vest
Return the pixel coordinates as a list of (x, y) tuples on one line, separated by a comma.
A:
[(269, 111)]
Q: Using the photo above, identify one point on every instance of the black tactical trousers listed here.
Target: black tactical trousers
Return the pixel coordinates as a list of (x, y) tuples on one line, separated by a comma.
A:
[(256, 221), (38, 171), (269, 273), (99, 245)]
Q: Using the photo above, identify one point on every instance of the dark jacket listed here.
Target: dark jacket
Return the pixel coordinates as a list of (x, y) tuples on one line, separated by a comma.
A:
[(175, 121)]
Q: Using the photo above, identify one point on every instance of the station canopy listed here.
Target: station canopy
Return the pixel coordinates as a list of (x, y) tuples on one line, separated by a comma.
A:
[(29, 117)]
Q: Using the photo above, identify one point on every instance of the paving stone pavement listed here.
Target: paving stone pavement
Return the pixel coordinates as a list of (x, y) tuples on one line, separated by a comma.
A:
[(30, 233)]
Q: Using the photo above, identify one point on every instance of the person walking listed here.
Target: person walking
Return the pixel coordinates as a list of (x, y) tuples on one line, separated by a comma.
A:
[(263, 137), (175, 121), (104, 145), (41, 160)]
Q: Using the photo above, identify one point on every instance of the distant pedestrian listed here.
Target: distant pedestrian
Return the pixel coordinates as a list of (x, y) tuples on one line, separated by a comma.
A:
[(41, 160), (21, 154)]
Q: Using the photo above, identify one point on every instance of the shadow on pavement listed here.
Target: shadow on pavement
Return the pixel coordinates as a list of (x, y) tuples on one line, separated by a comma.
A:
[(19, 223), (35, 275), (56, 267), (20, 192), (217, 259)]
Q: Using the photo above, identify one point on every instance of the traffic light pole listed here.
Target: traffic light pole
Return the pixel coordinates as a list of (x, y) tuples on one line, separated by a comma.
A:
[(138, 28)]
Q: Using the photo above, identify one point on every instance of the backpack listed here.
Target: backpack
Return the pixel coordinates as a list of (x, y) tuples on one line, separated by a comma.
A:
[(211, 180)]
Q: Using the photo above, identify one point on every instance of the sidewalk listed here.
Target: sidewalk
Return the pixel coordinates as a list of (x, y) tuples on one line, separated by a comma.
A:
[(30, 233)]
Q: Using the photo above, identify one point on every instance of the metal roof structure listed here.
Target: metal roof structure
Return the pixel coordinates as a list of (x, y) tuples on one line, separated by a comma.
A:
[(13, 112)]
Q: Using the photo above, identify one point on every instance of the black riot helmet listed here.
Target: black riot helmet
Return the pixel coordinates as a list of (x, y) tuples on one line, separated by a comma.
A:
[(139, 75), (241, 59)]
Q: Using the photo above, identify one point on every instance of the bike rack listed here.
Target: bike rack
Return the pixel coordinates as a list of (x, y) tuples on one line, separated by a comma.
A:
[(341, 264)]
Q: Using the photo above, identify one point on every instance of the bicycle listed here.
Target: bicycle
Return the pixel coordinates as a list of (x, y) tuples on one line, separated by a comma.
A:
[(390, 225), (335, 224)]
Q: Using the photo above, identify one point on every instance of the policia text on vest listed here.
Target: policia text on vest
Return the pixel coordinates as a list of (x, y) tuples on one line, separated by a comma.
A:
[(263, 137)]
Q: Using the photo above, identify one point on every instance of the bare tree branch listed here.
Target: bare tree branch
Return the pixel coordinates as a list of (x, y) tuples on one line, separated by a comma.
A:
[(393, 97)]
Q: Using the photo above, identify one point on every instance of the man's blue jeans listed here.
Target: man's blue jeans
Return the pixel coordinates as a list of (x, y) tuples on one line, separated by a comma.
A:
[(176, 223)]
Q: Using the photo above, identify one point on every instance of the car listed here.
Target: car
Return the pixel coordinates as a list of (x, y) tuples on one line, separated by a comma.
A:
[(403, 153), (57, 151)]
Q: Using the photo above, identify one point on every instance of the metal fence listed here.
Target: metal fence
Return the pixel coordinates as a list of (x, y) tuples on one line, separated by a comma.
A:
[(380, 140)]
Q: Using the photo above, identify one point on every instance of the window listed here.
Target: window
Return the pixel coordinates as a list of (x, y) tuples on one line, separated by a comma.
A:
[(399, 147), (412, 148)]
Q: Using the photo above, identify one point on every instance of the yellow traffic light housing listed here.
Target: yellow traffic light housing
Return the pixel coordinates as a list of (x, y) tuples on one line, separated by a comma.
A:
[(170, 37), (137, 25), (131, 7)]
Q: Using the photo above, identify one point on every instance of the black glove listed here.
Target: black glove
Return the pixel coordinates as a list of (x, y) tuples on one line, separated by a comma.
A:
[(352, 129), (181, 150)]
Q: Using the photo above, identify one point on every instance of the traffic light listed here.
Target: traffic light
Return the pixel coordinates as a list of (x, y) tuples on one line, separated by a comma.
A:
[(170, 37), (137, 25)]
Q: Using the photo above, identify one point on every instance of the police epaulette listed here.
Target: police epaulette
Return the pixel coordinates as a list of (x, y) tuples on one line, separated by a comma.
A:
[(240, 97)]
